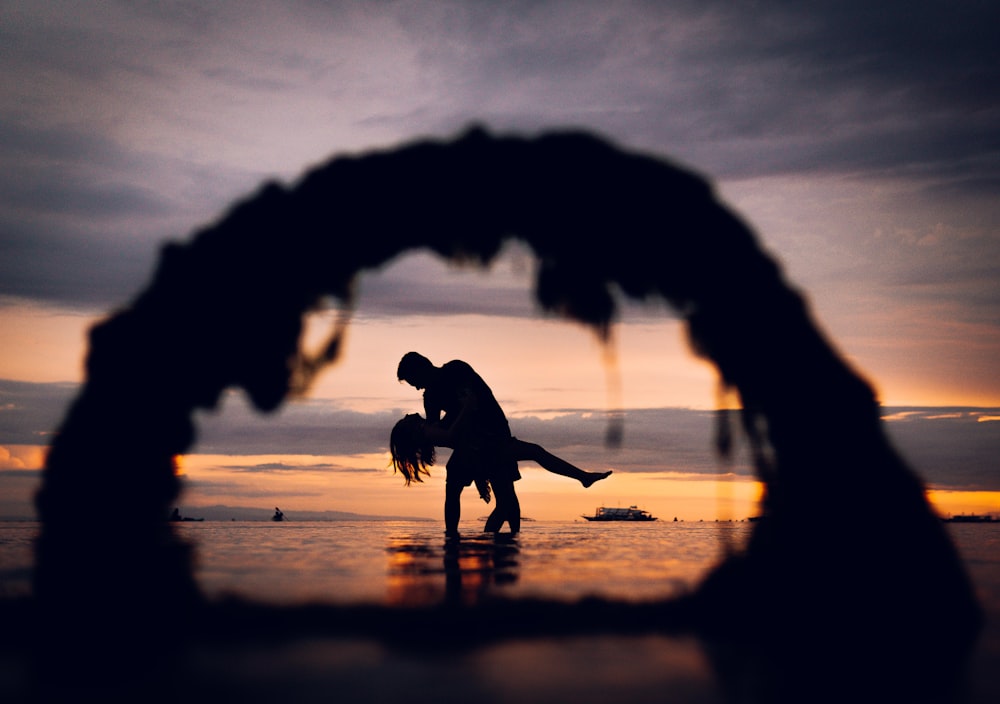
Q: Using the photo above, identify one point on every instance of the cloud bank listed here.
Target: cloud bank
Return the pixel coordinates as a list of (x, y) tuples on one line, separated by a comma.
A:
[(952, 448), (134, 125)]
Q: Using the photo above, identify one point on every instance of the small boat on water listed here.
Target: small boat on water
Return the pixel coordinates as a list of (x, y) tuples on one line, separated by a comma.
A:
[(632, 513)]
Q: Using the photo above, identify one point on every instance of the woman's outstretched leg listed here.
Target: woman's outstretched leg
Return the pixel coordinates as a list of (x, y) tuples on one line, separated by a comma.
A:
[(557, 465)]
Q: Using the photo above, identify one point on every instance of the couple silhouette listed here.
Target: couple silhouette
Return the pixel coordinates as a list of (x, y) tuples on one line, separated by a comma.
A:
[(461, 413)]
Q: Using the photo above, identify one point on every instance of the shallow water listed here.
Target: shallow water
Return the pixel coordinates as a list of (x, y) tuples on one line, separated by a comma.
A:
[(371, 561), (410, 563)]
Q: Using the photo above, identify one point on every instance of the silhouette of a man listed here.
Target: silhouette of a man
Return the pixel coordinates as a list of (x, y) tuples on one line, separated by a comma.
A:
[(483, 436)]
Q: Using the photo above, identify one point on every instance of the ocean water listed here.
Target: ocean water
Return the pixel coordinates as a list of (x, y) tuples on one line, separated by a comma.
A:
[(410, 563)]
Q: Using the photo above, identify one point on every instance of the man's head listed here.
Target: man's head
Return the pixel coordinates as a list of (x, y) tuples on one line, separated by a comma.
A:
[(415, 369)]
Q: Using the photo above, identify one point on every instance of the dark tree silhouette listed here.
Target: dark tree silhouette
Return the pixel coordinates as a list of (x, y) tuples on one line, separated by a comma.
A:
[(862, 556)]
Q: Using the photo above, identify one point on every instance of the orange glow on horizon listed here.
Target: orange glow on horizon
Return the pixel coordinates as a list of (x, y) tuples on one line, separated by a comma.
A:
[(666, 495), (365, 485), (951, 503)]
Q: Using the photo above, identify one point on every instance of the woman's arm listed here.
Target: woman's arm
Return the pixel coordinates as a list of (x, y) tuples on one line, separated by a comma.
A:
[(432, 409), (438, 435)]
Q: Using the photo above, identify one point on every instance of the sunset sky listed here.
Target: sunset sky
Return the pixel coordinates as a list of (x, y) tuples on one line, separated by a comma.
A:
[(859, 140)]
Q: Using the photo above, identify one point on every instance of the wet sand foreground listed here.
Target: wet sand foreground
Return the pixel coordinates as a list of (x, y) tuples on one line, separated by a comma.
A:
[(572, 654), (580, 669), (567, 669)]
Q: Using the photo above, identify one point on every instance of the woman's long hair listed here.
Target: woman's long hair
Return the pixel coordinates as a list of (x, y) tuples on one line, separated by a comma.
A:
[(411, 453)]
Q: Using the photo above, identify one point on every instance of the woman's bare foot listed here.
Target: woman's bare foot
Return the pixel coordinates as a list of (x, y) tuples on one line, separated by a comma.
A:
[(594, 477)]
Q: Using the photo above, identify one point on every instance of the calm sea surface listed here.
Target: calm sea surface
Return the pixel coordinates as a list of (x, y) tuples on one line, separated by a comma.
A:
[(409, 562)]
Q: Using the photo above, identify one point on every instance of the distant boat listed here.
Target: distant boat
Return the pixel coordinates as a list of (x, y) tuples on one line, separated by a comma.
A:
[(632, 513), (278, 514), (176, 516), (970, 518)]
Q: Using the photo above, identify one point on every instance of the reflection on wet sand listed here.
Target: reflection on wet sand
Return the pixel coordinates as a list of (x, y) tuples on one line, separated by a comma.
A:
[(470, 567)]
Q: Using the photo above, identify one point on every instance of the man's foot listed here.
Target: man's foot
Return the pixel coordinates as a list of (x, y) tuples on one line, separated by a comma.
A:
[(594, 477)]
